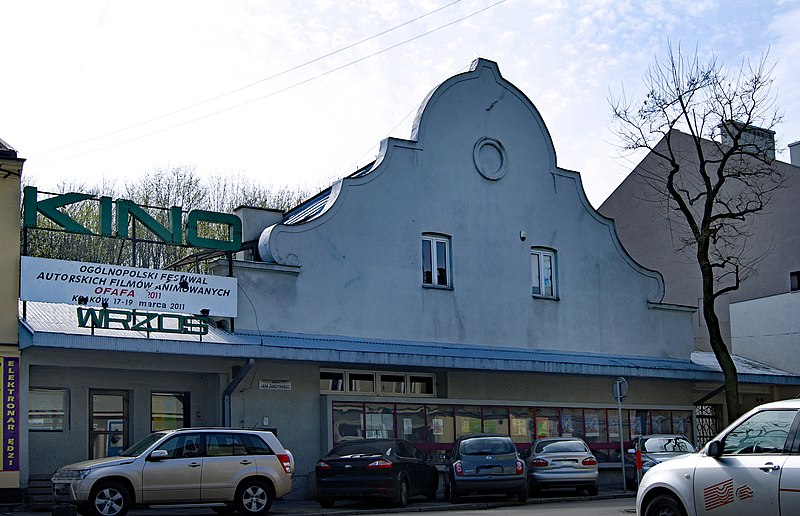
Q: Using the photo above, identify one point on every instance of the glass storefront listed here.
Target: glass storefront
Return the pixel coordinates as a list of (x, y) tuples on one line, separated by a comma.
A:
[(434, 427)]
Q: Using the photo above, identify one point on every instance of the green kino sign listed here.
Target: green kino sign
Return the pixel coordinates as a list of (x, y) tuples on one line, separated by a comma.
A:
[(171, 234)]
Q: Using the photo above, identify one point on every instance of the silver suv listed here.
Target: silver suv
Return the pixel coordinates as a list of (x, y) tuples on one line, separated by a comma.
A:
[(752, 467), (231, 469)]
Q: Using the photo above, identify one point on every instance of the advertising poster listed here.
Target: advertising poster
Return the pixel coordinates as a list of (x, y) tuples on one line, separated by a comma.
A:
[(613, 426), (542, 428), (566, 424), (592, 425)]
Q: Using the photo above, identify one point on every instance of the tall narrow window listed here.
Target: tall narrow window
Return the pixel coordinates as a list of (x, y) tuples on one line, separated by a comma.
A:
[(543, 265), (794, 280), (435, 261)]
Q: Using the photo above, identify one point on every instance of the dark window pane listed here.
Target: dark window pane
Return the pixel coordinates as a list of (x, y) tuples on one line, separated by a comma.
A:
[(427, 266)]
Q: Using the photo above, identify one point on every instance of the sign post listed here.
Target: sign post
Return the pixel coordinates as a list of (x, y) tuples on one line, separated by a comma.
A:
[(619, 389)]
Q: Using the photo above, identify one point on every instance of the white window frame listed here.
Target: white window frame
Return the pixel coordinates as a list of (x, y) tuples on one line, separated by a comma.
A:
[(433, 241), (539, 273), (377, 376)]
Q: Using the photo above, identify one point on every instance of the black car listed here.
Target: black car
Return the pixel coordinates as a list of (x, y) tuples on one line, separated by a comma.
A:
[(485, 464), (375, 468)]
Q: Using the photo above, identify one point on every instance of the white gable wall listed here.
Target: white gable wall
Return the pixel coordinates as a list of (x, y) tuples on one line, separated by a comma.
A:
[(360, 261)]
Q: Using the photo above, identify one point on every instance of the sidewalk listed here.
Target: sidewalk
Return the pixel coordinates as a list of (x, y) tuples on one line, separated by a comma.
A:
[(311, 508)]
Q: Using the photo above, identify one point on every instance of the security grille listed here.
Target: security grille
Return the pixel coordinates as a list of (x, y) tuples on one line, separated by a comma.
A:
[(708, 423)]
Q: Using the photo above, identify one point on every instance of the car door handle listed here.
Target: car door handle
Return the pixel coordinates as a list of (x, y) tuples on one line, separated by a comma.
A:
[(769, 467), (194, 464), (245, 462)]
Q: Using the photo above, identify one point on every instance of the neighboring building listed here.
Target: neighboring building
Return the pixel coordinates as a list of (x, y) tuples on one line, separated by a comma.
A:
[(10, 173), (460, 283), (759, 319)]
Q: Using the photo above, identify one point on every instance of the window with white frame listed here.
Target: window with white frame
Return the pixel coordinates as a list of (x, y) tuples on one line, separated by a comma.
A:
[(543, 272), (382, 383), (435, 261)]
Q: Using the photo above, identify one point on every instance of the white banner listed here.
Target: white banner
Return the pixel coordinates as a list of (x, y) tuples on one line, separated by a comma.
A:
[(117, 286)]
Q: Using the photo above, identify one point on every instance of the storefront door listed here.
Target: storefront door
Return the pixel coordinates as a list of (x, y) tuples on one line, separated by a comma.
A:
[(108, 423)]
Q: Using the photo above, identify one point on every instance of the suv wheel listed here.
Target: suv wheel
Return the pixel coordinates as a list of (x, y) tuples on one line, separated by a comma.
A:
[(253, 498), (664, 505), (109, 499)]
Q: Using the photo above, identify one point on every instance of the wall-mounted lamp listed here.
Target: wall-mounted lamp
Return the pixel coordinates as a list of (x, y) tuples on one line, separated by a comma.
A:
[(523, 235), (204, 312)]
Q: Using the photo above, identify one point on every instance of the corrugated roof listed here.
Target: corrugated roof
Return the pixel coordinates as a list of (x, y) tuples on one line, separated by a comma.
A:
[(54, 326)]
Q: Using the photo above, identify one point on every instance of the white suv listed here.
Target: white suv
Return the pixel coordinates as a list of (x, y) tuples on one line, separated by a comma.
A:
[(752, 467), (233, 469)]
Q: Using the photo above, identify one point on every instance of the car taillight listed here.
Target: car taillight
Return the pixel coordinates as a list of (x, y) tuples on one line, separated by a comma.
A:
[(539, 463), (286, 462), (589, 461), (520, 467), (458, 468), (321, 464), (379, 464)]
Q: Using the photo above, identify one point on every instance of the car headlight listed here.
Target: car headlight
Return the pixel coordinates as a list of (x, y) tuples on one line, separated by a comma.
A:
[(71, 474)]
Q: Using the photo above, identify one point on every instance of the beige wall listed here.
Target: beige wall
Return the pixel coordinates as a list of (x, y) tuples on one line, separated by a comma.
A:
[(9, 253), (559, 389)]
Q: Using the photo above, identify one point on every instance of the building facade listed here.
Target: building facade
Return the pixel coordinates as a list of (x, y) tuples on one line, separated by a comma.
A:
[(10, 173), (461, 283), (756, 319)]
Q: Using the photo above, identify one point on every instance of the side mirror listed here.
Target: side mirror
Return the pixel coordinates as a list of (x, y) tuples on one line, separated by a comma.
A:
[(158, 455), (631, 451), (714, 449)]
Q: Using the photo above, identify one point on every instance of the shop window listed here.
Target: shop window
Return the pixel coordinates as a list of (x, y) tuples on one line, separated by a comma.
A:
[(495, 420), (546, 421), (682, 422), (379, 421), (521, 425), (640, 422), (661, 422), (614, 426), (421, 385), (441, 424), (468, 421), (169, 410), (348, 421), (411, 423), (572, 423), (435, 261), (393, 384), (543, 273), (48, 409), (331, 381), (595, 430), (361, 382)]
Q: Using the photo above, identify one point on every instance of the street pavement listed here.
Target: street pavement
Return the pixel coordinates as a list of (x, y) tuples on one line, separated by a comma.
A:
[(311, 508)]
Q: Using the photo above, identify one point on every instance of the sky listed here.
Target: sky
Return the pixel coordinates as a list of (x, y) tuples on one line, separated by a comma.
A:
[(300, 92)]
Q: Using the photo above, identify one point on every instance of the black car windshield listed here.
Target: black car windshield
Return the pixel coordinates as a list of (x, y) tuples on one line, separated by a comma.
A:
[(487, 446), (142, 446), (356, 450), (560, 446), (667, 445)]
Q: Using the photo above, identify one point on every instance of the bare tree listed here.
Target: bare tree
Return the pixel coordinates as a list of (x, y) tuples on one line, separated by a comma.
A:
[(711, 175)]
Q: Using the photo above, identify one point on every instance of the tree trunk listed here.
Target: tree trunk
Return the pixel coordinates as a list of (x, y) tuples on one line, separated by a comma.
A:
[(718, 344)]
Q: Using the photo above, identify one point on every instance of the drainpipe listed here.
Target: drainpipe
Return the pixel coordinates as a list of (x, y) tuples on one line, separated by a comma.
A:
[(226, 395)]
